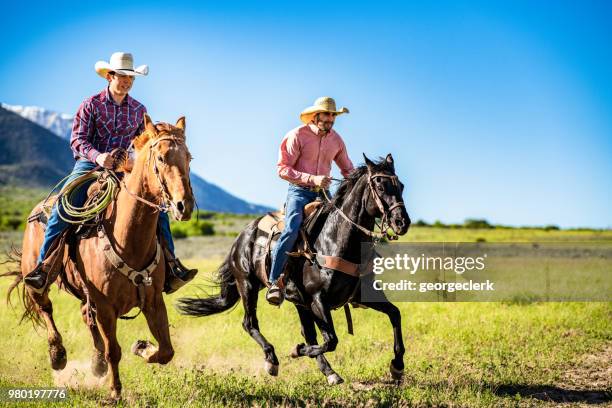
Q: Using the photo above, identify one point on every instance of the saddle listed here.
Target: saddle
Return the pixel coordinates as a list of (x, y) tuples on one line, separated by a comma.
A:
[(273, 224)]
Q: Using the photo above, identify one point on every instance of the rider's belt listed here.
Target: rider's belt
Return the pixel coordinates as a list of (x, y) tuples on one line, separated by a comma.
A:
[(312, 189), (315, 189)]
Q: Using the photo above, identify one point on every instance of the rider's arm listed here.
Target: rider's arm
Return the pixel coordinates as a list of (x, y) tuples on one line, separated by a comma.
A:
[(342, 160), (288, 155), (82, 130)]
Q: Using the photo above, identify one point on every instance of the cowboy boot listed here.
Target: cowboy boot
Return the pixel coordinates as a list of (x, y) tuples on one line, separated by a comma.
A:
[(37, 279), (177, 275)]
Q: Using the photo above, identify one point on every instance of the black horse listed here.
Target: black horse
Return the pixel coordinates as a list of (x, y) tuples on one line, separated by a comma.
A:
[(371, 191)]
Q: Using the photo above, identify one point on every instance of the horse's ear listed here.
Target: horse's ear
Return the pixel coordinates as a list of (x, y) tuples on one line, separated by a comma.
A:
[(368, 162), (389, 161), (180, 123), (149, 126)]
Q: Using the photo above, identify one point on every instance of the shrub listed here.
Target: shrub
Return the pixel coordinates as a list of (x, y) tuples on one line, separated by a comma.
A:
[(177, 232), (191, 228), (439, 224), (10, 222), (421, 223), (475, 223)]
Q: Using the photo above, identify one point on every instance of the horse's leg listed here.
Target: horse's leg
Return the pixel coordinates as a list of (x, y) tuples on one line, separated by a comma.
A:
[(310, 335), (157, 319), (397, 364), (107, 322), (44, 308), (251, 326), (98, 361), (40, 304), (323, 319)]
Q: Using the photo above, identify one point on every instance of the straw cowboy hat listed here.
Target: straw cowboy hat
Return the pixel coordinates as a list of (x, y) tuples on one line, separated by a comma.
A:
[(322, 104), (121, 63)]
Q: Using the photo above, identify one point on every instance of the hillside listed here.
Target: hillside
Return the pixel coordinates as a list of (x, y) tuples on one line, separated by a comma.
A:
[(33, 156), (30, 155)]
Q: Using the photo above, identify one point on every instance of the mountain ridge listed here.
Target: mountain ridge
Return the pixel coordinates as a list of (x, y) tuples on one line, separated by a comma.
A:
[(32, 155)]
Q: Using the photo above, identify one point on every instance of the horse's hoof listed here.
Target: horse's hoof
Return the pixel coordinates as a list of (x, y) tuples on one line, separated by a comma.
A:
[(396, 374), (295, 352), (57, 355), (99, 366), (115, 395), (139, 347), (271, 369), (334, 379)]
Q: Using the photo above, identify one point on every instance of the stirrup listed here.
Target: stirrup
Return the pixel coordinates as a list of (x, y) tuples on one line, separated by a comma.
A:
[(174, 280), (275, 295)]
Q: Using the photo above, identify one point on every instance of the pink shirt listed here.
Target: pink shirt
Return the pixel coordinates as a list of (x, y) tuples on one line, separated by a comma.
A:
[(303, 154)]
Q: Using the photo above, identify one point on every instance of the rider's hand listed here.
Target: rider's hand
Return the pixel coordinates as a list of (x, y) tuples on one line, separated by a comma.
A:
[(321, 181), (105, 160)]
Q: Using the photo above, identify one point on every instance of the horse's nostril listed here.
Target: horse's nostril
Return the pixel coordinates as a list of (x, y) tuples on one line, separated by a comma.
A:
[(180, 206)]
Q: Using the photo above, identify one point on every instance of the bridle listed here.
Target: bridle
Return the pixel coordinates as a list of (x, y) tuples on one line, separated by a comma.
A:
[(384, 224)]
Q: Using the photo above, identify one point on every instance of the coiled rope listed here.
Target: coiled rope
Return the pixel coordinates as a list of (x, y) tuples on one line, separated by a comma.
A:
[(95, 205)]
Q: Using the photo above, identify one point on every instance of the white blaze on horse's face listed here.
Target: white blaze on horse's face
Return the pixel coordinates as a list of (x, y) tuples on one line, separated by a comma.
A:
[(174, 173), (170, 159), (162, 151)]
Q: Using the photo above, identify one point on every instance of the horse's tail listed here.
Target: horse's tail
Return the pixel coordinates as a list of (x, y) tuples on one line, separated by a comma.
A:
[(29, 306), (226, 299)]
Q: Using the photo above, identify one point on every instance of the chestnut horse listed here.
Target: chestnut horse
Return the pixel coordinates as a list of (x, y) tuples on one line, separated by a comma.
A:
[(160, 175)]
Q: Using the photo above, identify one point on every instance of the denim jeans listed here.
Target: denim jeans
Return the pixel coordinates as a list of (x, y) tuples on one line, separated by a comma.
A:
[(55, 225), (297, 198)]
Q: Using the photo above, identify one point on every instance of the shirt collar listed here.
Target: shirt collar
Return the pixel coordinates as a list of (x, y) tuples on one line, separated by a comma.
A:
[(314, 129), (109, 98)]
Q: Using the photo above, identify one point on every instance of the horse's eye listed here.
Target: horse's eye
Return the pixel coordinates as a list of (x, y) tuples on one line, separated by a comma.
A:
[(160, 158)]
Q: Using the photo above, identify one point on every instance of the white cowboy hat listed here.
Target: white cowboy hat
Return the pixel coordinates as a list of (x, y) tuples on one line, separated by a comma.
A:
[(121, 63), (322, 104)]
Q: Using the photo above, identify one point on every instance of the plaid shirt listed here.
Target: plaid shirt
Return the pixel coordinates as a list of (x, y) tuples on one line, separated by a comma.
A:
[(101, 125)]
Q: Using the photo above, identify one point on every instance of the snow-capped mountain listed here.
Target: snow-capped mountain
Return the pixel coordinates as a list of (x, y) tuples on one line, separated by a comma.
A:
[(31, 155), (58, 123)]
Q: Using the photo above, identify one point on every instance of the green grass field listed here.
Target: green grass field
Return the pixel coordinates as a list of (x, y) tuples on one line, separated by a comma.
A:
[(458, 354)]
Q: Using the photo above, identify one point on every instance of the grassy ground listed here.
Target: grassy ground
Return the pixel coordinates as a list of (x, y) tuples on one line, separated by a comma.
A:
[(458, 354)]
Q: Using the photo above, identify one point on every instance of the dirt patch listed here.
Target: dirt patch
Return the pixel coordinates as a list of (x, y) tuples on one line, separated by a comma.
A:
[(586, 382), (77, 374), (592, 371)]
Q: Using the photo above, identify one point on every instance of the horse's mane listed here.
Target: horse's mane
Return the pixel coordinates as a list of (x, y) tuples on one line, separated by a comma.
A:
[(347, 185)]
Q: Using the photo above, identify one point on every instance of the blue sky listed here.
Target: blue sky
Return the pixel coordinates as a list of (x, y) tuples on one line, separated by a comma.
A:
[(501, 111)]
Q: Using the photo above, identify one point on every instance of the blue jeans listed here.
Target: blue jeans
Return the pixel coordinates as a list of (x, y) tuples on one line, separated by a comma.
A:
[(55, 225), (297, 198)]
